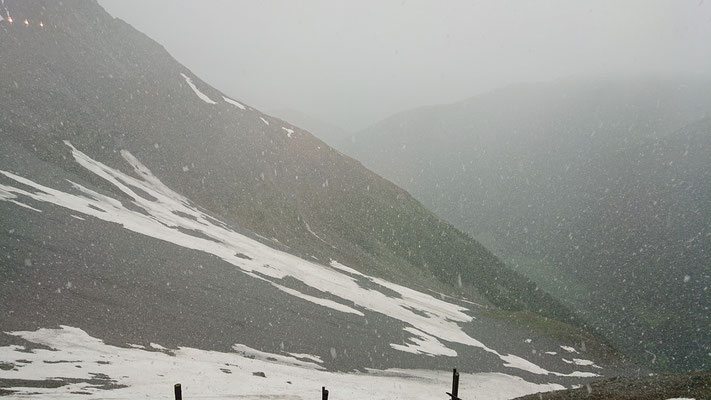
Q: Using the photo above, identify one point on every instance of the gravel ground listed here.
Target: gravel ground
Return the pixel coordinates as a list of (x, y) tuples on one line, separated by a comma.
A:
[(693, 385)]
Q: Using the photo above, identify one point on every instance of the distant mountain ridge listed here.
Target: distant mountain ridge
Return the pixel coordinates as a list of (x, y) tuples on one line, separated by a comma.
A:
[(567, 181)]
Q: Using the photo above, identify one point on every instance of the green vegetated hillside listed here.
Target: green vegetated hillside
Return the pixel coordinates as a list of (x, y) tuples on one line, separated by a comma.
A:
[(597, 191), (262, 173)]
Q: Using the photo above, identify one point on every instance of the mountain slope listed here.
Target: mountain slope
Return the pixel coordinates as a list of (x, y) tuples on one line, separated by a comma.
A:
[(325, 131), (146, 212), (568, 181), (271, 177)]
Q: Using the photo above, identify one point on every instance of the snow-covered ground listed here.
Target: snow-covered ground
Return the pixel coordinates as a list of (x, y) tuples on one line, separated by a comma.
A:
[(77, 358)]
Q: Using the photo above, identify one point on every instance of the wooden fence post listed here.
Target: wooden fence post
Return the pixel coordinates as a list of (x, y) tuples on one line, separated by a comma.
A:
[(455, 386), (178, 392)]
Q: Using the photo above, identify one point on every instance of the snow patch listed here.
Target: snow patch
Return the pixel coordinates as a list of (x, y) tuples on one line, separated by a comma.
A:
[(254, 354), (199, 94), (234, 103), (264, 120), (320, 301), (578, 361), (518, 362), (335, 264), (151, 374), (577, 374), (512, 361), (289, 132), (6, 195), (569, 349), (423, 343), (307, 356), (308, 228)]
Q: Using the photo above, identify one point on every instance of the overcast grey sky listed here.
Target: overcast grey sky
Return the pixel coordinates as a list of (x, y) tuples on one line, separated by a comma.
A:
[(355, 62)]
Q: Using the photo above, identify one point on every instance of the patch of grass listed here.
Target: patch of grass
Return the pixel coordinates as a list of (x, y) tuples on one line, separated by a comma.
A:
[(547, 276), (561, 331)]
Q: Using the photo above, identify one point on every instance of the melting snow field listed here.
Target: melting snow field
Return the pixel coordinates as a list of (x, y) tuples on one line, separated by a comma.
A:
[(430, 323), (77, 358)]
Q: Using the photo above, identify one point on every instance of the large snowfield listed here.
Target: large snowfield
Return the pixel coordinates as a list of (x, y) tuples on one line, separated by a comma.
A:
[(151, 373)]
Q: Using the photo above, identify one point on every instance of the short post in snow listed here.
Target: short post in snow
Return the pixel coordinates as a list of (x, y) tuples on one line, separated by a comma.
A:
[(178, 392), (324, 393), (455, 386)]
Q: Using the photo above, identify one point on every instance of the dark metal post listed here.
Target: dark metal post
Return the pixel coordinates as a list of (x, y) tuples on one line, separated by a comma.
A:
[(324, 393), (455, 386), (178, 392)]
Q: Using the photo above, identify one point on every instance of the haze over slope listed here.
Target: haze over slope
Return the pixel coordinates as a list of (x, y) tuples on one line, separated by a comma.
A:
[(328, 132), (271, 177), (149, 217), (353, 63), (596, 190)]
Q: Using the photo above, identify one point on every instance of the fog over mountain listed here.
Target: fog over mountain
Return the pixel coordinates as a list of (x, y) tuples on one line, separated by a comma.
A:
[(596, 190), (260, 199), (154, 226), (353, 63), (323, 130)]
